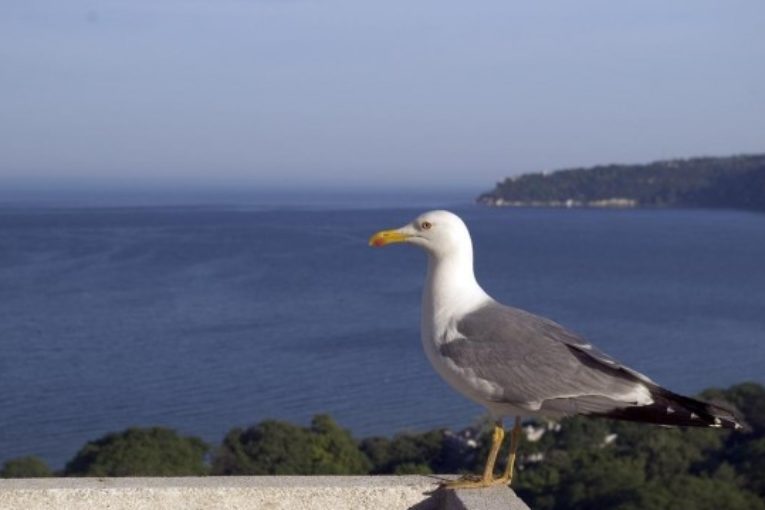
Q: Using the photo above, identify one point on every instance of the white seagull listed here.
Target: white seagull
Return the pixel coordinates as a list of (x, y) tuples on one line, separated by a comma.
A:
[(518, 364)]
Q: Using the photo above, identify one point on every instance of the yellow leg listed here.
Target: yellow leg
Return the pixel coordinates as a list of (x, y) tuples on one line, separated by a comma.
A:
[(487, 479), (507, 476)]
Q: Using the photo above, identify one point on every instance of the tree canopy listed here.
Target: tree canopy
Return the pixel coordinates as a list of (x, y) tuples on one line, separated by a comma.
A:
[(650, 467), (25, 467), (280, 448), (152, 451)]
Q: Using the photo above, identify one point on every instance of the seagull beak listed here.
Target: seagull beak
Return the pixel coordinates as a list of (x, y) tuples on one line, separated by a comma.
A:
[(384, 237)]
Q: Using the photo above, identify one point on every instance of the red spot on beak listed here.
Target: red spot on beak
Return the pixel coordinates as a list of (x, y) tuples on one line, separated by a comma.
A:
[(379, 242)]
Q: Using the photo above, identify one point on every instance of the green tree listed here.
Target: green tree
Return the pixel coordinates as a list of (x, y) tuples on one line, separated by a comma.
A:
[(746, 452), (280, 448), (25, 467), (600, 479), (668, 452), (646, 466), (140, 452), (688, 492), (423, 453), (334, 450)]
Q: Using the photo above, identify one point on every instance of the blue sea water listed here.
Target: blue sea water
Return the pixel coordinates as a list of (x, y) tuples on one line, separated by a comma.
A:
[(206, 318)]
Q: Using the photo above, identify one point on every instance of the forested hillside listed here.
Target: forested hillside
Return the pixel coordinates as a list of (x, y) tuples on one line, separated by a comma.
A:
[(736, 182)]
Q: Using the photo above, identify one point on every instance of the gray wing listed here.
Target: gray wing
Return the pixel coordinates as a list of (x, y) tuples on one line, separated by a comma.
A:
[(538, 364)]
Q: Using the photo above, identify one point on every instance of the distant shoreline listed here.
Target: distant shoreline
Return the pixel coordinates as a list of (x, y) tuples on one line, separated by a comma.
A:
[(734, 182), (609, 203)]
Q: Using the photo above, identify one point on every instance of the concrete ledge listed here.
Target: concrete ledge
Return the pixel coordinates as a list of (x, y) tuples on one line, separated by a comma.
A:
[(251, 492)]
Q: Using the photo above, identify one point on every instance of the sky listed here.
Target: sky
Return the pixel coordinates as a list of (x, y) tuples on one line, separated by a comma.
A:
[(407, 94)]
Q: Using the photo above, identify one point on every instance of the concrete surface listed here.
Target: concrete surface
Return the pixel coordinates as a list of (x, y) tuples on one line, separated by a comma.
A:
[(250, 492)]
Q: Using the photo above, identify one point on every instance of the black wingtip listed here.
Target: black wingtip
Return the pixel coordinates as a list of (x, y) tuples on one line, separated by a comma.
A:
[(728, 417), (672, 409)]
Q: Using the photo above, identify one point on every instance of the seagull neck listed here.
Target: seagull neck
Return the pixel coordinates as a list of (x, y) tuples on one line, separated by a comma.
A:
[(451, 286)]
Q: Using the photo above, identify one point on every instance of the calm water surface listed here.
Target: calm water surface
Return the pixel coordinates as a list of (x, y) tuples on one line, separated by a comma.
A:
[(203, 319)]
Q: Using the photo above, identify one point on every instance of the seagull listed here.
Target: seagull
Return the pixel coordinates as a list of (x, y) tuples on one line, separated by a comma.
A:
[(518, 364)]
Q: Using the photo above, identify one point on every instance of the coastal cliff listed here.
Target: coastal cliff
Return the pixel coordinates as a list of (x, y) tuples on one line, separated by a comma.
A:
[(735, 182)]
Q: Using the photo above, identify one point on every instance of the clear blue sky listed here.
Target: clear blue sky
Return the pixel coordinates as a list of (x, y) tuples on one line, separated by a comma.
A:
[(389, 94)]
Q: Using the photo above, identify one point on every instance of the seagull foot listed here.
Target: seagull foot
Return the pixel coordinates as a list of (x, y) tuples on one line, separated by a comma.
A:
[(504, 480), (472, 482)]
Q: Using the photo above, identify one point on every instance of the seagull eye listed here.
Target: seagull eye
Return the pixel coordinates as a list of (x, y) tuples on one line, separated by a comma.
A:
[(426, 225)]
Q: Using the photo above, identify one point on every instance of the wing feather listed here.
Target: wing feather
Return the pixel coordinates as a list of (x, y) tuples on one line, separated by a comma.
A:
[(538, 363)]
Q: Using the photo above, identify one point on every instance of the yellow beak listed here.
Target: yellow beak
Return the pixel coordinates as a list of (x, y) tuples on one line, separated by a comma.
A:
[(384, 237)]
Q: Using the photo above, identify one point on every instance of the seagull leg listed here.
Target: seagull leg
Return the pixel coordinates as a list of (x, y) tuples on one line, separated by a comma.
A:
[(487, 479), (507, 476)]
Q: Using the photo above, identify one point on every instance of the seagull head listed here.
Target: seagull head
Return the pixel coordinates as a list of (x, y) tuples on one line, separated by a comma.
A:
[(440, 233)]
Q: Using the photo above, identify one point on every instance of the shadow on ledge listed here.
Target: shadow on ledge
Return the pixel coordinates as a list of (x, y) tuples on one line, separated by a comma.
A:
[(492, 498)]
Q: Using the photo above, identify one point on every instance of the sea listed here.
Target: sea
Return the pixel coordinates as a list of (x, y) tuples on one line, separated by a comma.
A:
[(208, 317)]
